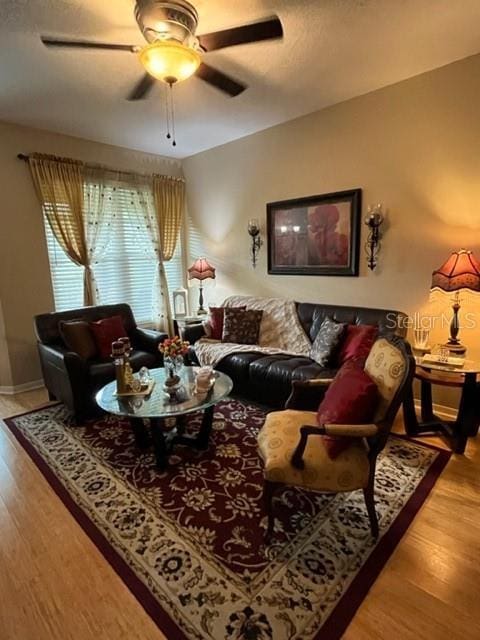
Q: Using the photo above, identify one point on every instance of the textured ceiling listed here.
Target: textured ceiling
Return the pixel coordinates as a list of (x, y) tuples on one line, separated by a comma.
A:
[(332, 50)]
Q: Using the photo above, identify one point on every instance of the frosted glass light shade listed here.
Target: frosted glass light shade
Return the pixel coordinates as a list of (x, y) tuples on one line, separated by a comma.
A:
[(170, 61)]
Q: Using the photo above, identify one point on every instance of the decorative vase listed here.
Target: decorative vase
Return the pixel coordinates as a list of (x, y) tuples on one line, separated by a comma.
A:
[(172, 379)]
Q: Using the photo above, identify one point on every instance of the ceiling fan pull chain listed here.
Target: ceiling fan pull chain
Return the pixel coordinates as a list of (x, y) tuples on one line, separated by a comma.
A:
[(172, 105), (167, 112)]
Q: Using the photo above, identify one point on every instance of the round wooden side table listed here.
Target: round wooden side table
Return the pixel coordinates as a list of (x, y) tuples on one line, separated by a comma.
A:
[(456, 432)]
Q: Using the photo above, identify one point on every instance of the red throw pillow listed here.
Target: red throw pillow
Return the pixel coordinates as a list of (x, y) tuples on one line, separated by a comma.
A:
[(351, 398), (215, 322), (107, 331), (357, 342)]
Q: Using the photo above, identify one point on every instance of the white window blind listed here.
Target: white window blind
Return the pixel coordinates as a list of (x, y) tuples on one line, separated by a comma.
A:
[(125, 270)]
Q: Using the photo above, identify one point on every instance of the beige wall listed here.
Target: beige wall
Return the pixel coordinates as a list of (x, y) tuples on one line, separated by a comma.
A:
[(414, 146), (25, 285)]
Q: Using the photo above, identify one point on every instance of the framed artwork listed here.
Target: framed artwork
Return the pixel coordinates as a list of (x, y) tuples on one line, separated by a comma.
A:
[(180, 303), (315, 236)]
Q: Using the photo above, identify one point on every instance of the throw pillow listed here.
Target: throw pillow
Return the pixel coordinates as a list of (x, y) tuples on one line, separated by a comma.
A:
[(107, 331), (77, 336), (241, 326), (351, 398), (328, 338), (214, 325), (357, 342)]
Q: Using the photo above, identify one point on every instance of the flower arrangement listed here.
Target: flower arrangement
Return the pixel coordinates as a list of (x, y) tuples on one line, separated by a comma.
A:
[(174, 347)]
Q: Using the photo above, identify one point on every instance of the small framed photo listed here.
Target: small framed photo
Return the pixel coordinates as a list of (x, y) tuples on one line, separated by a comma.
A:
[(180, 303), (315, 236)]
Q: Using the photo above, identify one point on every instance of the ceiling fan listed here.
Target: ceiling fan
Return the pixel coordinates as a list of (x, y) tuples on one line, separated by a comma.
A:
[(173, 52)]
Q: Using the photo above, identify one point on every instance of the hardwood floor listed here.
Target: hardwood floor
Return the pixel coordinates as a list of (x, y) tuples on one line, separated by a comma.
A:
[(55, 585)]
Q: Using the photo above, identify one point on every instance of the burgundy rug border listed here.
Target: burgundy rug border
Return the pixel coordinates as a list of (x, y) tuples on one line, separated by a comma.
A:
[(343, 613), (141, 592)]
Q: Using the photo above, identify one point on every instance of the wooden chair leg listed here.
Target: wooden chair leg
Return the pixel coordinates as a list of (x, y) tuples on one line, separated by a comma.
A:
[(368, 494), (269, 489)]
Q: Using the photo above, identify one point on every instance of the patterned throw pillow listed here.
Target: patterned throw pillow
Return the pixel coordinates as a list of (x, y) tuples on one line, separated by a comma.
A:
[(328, 337), (241, 326), (214, 325)]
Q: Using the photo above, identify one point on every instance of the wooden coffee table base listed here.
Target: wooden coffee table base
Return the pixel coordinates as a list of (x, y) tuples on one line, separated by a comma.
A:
[(164, 439)]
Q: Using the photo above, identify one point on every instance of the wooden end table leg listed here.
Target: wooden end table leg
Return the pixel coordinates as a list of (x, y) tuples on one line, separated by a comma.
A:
[(409, 414), (140, 432), (426, 401), (466, 423), (159, 443)]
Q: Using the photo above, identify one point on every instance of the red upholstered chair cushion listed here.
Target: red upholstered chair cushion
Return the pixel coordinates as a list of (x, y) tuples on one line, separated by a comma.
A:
[(357, 341), (351, 398), (107, 331)]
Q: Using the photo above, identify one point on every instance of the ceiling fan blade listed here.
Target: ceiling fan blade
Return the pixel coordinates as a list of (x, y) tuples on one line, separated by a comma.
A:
[(219, 80), (85, 44), (142, 88), (264, 30)]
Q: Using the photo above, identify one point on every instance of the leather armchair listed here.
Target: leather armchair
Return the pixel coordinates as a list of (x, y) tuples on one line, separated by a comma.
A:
[(75, 381), (290, 440)]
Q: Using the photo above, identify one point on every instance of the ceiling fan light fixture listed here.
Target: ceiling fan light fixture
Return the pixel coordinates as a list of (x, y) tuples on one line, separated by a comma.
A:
[(170, 61)]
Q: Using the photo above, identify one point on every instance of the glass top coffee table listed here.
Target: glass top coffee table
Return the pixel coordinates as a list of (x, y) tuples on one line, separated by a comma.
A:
[(158, 407)]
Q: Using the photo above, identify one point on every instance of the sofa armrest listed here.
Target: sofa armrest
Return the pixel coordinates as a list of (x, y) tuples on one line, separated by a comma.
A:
[(65, 374), (193, 332), (147, 339)]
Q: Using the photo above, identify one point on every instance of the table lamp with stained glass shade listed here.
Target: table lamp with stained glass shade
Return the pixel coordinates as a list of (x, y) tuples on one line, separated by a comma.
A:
[(201, 270), (460, 271)]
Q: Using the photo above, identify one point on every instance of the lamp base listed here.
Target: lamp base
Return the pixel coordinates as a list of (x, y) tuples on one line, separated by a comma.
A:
[(458, 348), (201, 311)]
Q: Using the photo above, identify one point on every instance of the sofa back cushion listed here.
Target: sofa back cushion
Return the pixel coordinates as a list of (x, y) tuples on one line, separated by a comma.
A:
[(311, 317), (105, 332), (241, 326), (47, 327), (77, 336)]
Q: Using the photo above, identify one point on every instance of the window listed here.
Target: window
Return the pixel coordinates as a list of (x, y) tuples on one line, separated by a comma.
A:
[(125, 270)]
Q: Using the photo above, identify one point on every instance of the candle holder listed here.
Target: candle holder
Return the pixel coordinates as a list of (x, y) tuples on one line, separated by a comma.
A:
[(372, 247), (254, 233)]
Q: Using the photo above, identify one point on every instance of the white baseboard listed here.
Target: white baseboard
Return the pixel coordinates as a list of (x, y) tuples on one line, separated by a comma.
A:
[(20, 388)]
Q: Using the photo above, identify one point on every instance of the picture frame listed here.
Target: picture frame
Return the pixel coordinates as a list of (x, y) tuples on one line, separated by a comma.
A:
[(180, 303), (316, 235)]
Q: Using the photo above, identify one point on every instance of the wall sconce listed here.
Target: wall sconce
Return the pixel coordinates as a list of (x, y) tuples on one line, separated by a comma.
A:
[(254, 233), (372, 246)]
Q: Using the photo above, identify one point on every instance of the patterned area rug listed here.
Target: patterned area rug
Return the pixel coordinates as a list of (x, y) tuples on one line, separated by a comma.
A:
[(189, 541)]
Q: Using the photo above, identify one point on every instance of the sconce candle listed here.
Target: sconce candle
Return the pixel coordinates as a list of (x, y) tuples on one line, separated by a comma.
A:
[(254, 233), (372, 246)]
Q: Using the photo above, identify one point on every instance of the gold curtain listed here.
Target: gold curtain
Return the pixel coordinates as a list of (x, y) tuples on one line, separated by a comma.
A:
[(169, 199), (169, 196), (59, 186)]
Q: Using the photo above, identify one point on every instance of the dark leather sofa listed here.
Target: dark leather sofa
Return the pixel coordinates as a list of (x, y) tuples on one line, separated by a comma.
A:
[(75, 381), (268, 379)]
